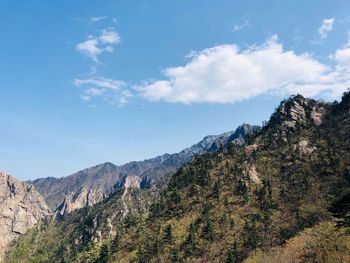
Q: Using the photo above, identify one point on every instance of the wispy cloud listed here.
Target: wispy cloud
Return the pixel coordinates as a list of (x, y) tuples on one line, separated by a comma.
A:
[(325, 28), (109, 90), (101, 82), (95, 19), (227, 74), (93, 46), (241, 26)]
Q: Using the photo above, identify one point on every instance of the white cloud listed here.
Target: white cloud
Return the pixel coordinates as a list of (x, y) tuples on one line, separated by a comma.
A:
[(342, 56), (95, 91), (93, 46), (226, 74), (109, 37), (90, 48), (109, 90), (325, 28), (101, 82), (342, 59), (95, 19), (239, 27)]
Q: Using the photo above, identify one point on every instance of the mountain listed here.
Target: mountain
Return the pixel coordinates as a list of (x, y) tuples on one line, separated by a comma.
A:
[(282, 196), (92, 185), (21, 208)]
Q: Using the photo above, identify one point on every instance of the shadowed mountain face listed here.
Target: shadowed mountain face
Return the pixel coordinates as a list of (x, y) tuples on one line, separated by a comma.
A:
[(91, 185)]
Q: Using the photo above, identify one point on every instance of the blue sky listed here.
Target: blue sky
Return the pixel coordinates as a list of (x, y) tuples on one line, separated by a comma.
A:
[(84, 82)]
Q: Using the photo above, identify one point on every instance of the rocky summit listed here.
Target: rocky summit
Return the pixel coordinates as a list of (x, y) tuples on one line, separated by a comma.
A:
[(21, 208)]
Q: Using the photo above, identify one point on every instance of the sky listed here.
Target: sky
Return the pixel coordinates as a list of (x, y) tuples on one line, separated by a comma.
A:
[(86, 82)]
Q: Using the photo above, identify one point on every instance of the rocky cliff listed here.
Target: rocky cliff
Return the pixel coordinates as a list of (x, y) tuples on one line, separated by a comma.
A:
[(21, 208), (82, 198)]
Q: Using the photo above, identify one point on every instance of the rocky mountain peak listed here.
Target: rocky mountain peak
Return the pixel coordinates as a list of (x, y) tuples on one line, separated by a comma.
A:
[(21, 208), (297, 109)]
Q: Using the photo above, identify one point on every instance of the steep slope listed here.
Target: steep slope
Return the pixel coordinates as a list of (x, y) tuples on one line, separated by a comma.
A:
[(223, 206), (95, 183), (21, 208)]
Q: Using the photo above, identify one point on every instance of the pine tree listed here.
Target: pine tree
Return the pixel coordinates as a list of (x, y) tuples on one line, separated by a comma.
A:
[(168, 236), (341, 210), (190, 245), (208, 231), (140, 255), (175, 196), (115, 245), (104, 254), (241, 189), (175, 256), (217, 188), (233, 254), (251, 237)]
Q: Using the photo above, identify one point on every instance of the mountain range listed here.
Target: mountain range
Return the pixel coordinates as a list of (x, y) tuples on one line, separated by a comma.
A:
[(91, 185), (280, 193)]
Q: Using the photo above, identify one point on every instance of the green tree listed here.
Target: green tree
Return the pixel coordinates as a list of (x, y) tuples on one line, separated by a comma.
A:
[(104, 255), (217, 188), (131, 221), (140, 255), (168, 236), (175, 256), (208, 230), (251, 238), (190, 244), (341, 210), (115, 244), (241, 189), (233, 255)]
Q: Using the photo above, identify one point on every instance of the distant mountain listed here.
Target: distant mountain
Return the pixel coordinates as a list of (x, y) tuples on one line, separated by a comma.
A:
[(91, 185), (21, 208)]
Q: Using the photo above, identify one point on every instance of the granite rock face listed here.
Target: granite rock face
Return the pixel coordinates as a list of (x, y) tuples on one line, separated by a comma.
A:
[(295, 113), (82, 198), (131, 181), (299, 110), (21, 208)]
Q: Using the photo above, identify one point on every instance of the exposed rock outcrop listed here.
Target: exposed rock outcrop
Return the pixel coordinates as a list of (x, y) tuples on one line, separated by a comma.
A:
[(73, 201), (21, 208), (305, 147), (131, 181), (299, 110), (253, 174), (294, 113)]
